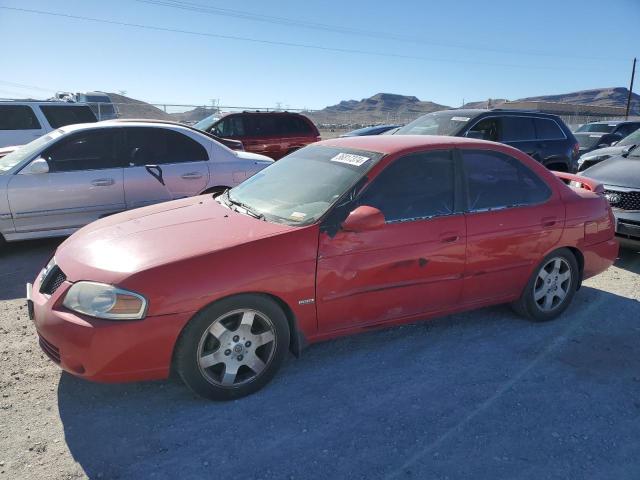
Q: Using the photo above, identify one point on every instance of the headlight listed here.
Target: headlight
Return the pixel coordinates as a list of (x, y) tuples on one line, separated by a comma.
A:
[(105, 301)]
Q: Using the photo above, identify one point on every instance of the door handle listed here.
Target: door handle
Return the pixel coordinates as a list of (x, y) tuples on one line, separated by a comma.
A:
[(103, 182), (548, 222), (191, 176), (449, 237)]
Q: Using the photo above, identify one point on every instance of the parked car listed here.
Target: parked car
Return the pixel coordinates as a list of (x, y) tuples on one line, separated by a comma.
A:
[(100, 103), (207, 122), (274, 134), (544, 137), (620, 175), (336, 238), (374, 130), (595, 135), (622, 147), (23, 121), (80, 173)]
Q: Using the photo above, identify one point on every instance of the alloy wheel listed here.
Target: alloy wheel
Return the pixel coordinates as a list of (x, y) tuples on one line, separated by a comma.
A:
[(553, 284), (236, 348)]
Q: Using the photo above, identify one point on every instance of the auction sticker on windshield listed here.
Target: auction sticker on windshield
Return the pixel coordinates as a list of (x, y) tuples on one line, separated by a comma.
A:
[(350, 159), (460, 119)]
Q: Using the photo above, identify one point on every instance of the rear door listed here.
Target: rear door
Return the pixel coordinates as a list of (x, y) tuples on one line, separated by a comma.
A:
[(84, 183), (513, 218), (162, 164), (520, 133), (19, 125), (554, 145), (412, 265)]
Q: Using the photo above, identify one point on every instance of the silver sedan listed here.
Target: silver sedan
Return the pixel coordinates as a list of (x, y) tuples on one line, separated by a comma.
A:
[(80, 173)]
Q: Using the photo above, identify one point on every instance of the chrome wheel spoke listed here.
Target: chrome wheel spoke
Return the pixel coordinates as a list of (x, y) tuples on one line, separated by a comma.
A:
[(263, 338), (557, 263), (560, 293), (255, 363), (548, 301), (212, 359), (219, 331), (538, 294), (230, 372), (562, 277), (247, 319)]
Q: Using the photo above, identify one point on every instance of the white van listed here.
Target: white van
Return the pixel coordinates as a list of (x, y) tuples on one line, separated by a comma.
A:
[(23, 121)]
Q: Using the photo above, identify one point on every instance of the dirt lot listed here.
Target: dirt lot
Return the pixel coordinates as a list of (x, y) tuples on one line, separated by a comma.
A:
[(478, 395)]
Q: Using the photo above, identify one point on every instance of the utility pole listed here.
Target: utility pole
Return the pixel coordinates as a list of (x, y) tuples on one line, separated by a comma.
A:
[(633, 74)]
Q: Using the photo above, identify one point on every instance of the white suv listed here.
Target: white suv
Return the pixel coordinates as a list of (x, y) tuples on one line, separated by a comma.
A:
[(24, 121)]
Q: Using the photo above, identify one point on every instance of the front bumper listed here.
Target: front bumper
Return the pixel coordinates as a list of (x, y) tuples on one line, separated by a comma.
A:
[(102, 350), (628, 228)]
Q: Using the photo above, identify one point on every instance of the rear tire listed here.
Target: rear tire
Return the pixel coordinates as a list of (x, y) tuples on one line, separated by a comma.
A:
[(551, 287), (233, 347)]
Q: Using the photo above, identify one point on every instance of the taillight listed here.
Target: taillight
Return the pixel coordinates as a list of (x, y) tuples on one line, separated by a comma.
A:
[(576, 149)]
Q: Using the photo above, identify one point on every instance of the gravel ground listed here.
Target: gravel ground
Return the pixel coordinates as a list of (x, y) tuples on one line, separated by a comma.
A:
[(477, 395)]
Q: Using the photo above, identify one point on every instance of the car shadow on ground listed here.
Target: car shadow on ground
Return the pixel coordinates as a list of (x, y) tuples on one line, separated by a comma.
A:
[(481, 394), (629, 259), (20, 262)]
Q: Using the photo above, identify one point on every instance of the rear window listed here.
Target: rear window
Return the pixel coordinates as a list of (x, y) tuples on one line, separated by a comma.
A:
[(517, 129), (18, 117), (548, 130), (60, 116)]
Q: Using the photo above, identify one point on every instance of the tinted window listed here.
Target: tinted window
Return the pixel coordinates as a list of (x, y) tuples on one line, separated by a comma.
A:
[(293, 125), (18, 117), (597, 127), (230, 127), (548, 130), (627, 129), (487, 129), (264, 125), (91, 150), (59, 116), (495, 180), (413, 187), (517, 129), (159, 146)]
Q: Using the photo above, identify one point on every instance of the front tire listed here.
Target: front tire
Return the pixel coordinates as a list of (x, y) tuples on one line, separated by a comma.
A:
[(233, 347), (551, 287)]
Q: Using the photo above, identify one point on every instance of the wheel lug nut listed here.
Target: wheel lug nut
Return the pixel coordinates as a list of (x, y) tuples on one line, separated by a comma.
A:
[(247, 344), (240, 357), (227, 352), (236, 338)]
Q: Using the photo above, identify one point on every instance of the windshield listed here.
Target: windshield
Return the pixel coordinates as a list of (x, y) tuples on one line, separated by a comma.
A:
[(588, 141), (206, 123), (437, 123), (301, 187), (25, 152), (632, 139), (597, 127)]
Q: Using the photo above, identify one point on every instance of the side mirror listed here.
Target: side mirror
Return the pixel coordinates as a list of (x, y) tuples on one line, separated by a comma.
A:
[(363, 219), (613, 143), (37, 166)]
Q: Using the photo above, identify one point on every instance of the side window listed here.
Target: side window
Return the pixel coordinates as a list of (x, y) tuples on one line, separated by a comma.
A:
[(230, 127), (265, 125), (146, 146), (495, 180), (548, 130), (90, 150), (18, 117), (59, 116), (487, 129), (416, 186), (517, 129)]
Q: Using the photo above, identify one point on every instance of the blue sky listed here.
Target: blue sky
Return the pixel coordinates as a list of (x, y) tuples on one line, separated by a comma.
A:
[(441, 51)]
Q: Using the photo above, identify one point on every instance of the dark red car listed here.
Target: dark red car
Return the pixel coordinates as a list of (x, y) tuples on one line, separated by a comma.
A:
[(274, 134), (337, 238)]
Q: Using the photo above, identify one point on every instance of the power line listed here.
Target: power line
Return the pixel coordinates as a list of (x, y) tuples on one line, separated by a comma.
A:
[(276, 42), (245, 15), (27, 87)]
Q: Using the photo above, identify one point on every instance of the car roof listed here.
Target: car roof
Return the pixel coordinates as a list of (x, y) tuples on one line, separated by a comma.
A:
[(129, 123), (388, 144), (43, 102)]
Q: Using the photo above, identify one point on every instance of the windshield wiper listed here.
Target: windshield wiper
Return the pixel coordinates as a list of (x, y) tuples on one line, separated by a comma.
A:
[(250, 211), (625, 153)]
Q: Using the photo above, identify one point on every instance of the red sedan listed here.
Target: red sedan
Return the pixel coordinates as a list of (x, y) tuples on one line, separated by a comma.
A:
[(339, 237)]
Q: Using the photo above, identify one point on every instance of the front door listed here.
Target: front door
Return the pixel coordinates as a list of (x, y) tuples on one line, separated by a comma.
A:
[(162, 164), (412, 265), (513, 218), (84, 183)]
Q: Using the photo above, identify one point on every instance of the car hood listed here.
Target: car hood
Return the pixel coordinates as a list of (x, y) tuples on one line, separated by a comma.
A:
[(111, 249), (620, 171), (610, 151)]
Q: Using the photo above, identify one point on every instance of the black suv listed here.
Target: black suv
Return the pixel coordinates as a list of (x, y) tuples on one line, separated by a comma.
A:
[(543, 136)]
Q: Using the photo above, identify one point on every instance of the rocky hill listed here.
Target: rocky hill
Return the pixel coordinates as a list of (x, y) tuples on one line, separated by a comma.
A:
[(132, 108)]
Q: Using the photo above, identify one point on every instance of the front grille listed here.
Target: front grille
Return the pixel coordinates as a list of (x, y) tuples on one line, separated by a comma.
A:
[(627, 200), (50, 349), (52, 280)]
